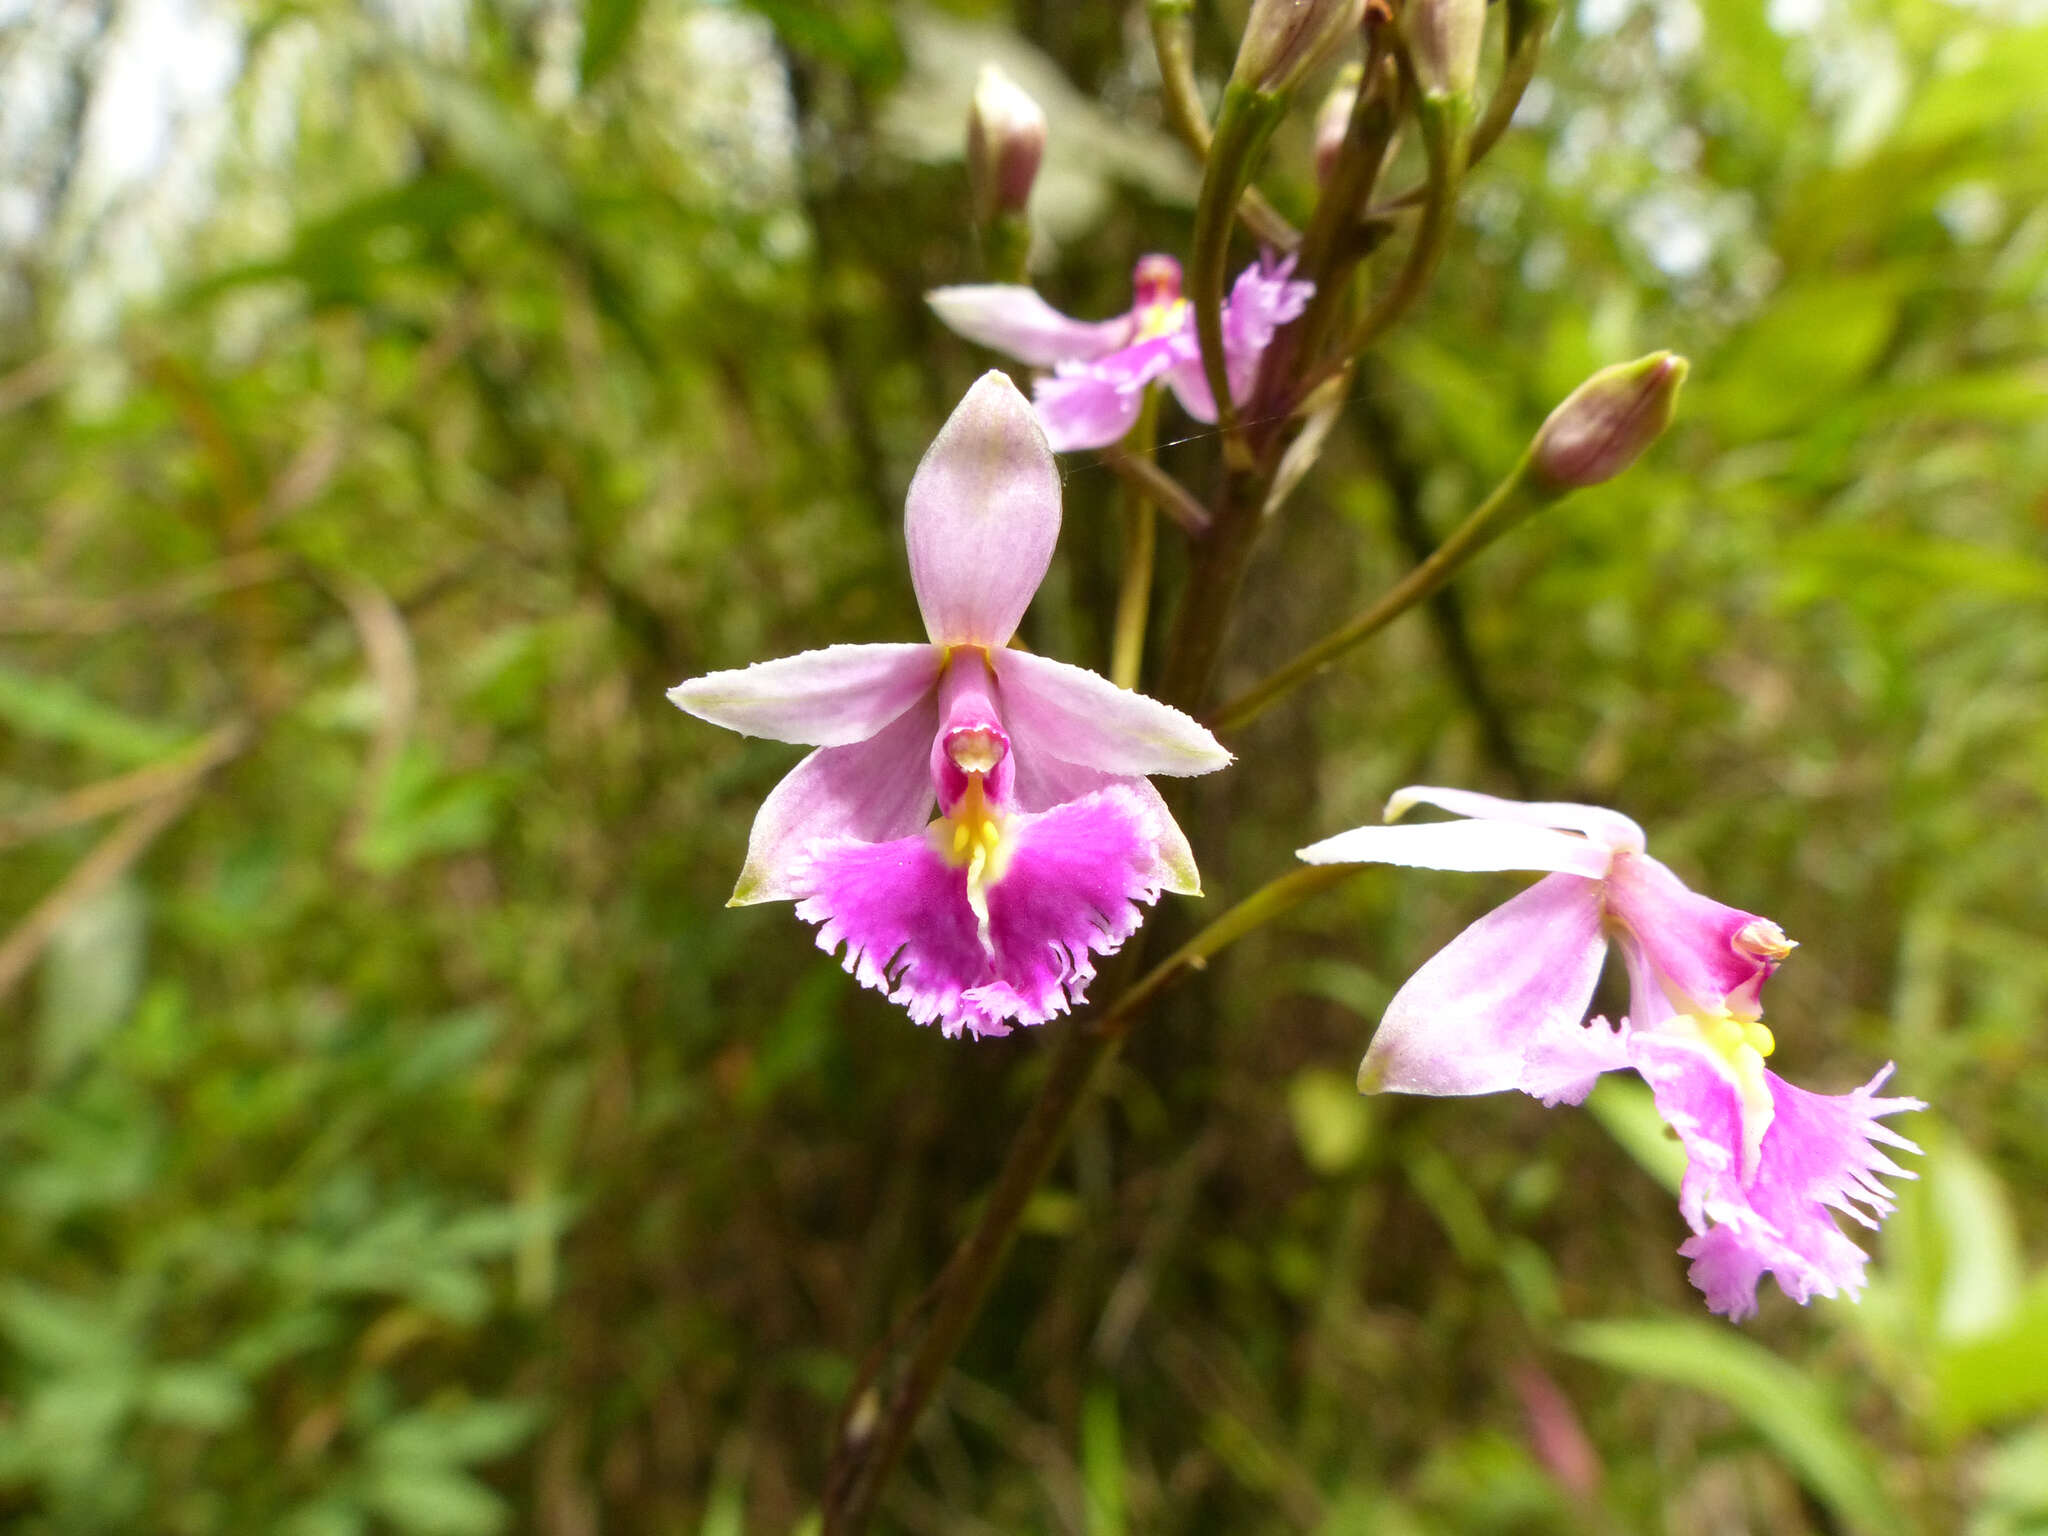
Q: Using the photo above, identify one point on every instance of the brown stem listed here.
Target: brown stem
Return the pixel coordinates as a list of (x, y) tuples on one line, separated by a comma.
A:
[(872, 1436)]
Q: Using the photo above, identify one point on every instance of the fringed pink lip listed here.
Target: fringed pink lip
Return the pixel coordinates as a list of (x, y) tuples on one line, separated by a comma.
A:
[(1070, 888)]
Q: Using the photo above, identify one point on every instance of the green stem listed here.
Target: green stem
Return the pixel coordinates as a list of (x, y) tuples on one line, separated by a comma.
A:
[(1271, 900), (1242, 128), (1446, 136), (1526, 34), (1173, 41), (1160, 488), (1328, 254), (1141, 541), (1006, 245), (1514, 499)]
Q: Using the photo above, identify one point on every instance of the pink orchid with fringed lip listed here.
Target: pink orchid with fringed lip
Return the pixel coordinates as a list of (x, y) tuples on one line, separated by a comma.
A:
[(1048, 838), (1502, 1006), (1101, 368)]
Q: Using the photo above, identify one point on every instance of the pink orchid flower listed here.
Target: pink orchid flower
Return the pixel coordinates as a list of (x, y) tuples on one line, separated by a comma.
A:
[(1502, 1006), (1101, 368), (1048, 835)]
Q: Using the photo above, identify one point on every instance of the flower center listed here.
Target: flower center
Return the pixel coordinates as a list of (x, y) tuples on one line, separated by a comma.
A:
[(971, 838), (1738, 1047), (1763, 940), (1157, 320), (976, 749)]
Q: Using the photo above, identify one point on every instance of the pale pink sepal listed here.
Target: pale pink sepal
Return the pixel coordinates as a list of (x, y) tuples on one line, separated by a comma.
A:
[(1468, 1020), (1463, 845), (1079, 717), (1014, 320), (874, 790), (1071, 889), (1081, 409), (827, 698), (1610, 829), (982, 516)]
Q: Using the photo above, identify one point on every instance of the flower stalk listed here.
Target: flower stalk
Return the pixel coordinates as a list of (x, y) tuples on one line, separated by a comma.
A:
[(873, 1434), (1140, 545), (1528, 29), (1514, 499), (1246, 122), (1446, 124), (1173, 40)]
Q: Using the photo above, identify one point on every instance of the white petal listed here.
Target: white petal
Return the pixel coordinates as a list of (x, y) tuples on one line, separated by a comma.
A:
[(1080, 717), (1597, 822), (1465, 845), (827, 698)]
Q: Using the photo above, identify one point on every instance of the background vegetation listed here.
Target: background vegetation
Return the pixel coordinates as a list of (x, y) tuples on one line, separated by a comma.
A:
[(397, 1135)]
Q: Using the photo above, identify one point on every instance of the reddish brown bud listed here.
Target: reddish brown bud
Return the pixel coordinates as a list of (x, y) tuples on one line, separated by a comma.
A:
[(1605, 424)]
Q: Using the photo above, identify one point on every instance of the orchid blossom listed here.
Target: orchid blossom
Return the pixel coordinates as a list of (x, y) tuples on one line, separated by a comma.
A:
[(1502, 1006), (1048, 835), (1102, 368)]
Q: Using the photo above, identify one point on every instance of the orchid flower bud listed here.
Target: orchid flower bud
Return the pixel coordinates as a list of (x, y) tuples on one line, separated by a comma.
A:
[(1284, 40), (1443, 45), (1605, 424), (1005, 142), (1333, 118)]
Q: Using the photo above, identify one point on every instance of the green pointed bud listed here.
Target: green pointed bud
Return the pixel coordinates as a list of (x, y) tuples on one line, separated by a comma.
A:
[(1605, 424), (1005, 142), (1333, 118), (1284, 41), (1443, 45)]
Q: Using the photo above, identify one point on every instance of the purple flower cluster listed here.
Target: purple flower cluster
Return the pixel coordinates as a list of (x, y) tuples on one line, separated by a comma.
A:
[(977, 824)]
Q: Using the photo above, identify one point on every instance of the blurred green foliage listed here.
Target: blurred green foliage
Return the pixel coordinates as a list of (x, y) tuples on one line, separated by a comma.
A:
[(397, 1135)]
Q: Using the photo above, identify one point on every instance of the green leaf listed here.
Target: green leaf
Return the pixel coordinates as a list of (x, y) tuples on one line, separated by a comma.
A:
[(58, 1331), (91, 976), (1332, 1121), (53, 709), (1627, 1112), (1999, 1376), (607, 29), (1785, 1406), (195, 1396), (456, 1436), (431, 1501), (1102, 1462)]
